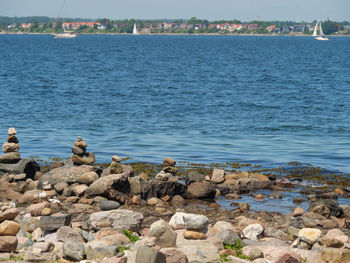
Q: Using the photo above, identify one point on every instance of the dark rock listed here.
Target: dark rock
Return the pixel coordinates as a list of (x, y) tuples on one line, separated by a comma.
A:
[(54, 222), (194, 176), (160, 188), (67, 174), (12, 138), (11, 157), (149, 255), (27, 166), (109, 205), (201, 190), (326, 208)]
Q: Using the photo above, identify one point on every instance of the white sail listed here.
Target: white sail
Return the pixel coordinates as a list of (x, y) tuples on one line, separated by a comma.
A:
[(321, 31), (315, 30), (134, 31)]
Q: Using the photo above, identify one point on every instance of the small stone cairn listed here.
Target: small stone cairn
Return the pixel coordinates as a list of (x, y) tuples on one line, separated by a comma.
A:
[(116, 167), (10, 148), (169, 172), (80, 156)]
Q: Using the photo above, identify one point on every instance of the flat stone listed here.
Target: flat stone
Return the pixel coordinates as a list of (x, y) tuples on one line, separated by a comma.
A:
[(178, 201), (201, 190), (54, 222), (9, 228), (8, 214), (158, 188), (109, 205), (218, 176), (36, 209), (88, 178), (9, 147), (104, 184), (116, 158), (10, 158), (8, 243), (87, 158), (309, 235), (174, 255), (81, 144), (78, 151), (190, 234), (20, 177)]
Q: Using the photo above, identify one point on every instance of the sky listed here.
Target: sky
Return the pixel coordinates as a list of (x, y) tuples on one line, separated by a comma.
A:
[(244, 10)]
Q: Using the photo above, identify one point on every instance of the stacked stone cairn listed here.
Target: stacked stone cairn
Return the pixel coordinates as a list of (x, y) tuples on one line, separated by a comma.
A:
[(169, 172), (116, 167), (10, 148), (80, 156)]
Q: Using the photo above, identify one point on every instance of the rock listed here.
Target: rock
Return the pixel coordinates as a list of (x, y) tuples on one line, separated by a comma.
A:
[(227, 236), (73, 249), (116, 158), (116, 168), (232, 196), (42, 247), (298, 211), (36, 209), (79, 189), (8, 214), (20, 177), (37, 233), (54, 222), (28, 223), (109, 205), (26, 166), (99, 252), (218, 176), (80, 143), (10, 158), (66, 174), (11, 131), (12, 138), (201, 190), (162, 231), (60, 187), (198, 250), (159, 189), (149, 255), (178, 201), (66, 232), (252, 231), (115, 259), (190, 234), (104, 184), (44, 257), (174, 255), (194, 176), (154, 201), (243, 206), (77, 150), (135, 185), (309, 235), (169, 162), (9, 228), (334, 238), (326, 208), (120, 219), (8, 243), (273, 232), (9, 147), (88, 178), (189, 221), (166, 177), (86, 158)]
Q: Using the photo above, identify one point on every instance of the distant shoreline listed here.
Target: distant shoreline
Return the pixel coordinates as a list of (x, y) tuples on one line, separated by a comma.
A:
[(175, 34)]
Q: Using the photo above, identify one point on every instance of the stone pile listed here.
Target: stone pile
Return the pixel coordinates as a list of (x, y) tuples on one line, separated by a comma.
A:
[(169, 172), (10, 148), (8, 227), (80, 156)]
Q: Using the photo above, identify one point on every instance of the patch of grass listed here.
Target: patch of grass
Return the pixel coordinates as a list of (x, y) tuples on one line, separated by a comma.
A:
[(131, 237), (12, 258), (236, 247), (123, 248)]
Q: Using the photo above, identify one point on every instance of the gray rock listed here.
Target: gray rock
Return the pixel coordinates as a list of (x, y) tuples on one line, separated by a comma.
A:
[(252, 231), (27, 166), (326, 208), (164, 234), (66, 174), (88, 178), (109, 205), (65, 232), (174, 255), (135, 185), (194, 176), (159, 189), (78, 150), (201, 190), (104, 184), (99, 252), (218, 176), (87, 236), (189, 221), (28, 224), (60, 187), (11, 157), (73, 249), (227, 236), (42, 247), (120, 219), (50, 223), (149, 255)]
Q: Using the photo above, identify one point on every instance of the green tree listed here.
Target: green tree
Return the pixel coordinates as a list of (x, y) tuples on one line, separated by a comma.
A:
[(330, 27)]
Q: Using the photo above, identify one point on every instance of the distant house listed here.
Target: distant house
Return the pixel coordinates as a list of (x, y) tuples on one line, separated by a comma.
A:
[(252, 26), (25, 25), (271, 28), (347, 28), (299, 28), (11, 26), (77, 25)]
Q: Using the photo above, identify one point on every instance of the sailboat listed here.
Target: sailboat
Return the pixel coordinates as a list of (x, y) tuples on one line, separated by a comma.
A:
[(321, 36), (66, 33), (135, 31)]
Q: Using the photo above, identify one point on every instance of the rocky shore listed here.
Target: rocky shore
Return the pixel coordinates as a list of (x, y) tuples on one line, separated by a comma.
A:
[(82, 211)]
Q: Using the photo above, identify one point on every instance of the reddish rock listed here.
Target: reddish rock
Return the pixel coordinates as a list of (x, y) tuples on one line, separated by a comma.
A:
[(9, 228), (169, 162)]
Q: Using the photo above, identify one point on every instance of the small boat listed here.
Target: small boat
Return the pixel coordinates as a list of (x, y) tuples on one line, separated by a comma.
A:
[(66, 34), (135, 31), (321, 36)]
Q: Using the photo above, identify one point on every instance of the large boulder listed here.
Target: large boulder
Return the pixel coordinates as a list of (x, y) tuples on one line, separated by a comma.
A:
[(8, 243), (54, 222), (194, 176), (105, 184), (189, 221), (164, 234), (326, 207), (27, 166), (66, 174), (201, 190), (159, 189), (73, 249), (119, 218)]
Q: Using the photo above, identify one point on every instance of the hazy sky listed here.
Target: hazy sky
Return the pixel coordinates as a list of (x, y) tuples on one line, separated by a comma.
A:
[(245, 10)]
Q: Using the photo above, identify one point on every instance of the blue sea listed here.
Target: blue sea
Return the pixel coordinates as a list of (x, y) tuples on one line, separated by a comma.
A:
[(258, 100)]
